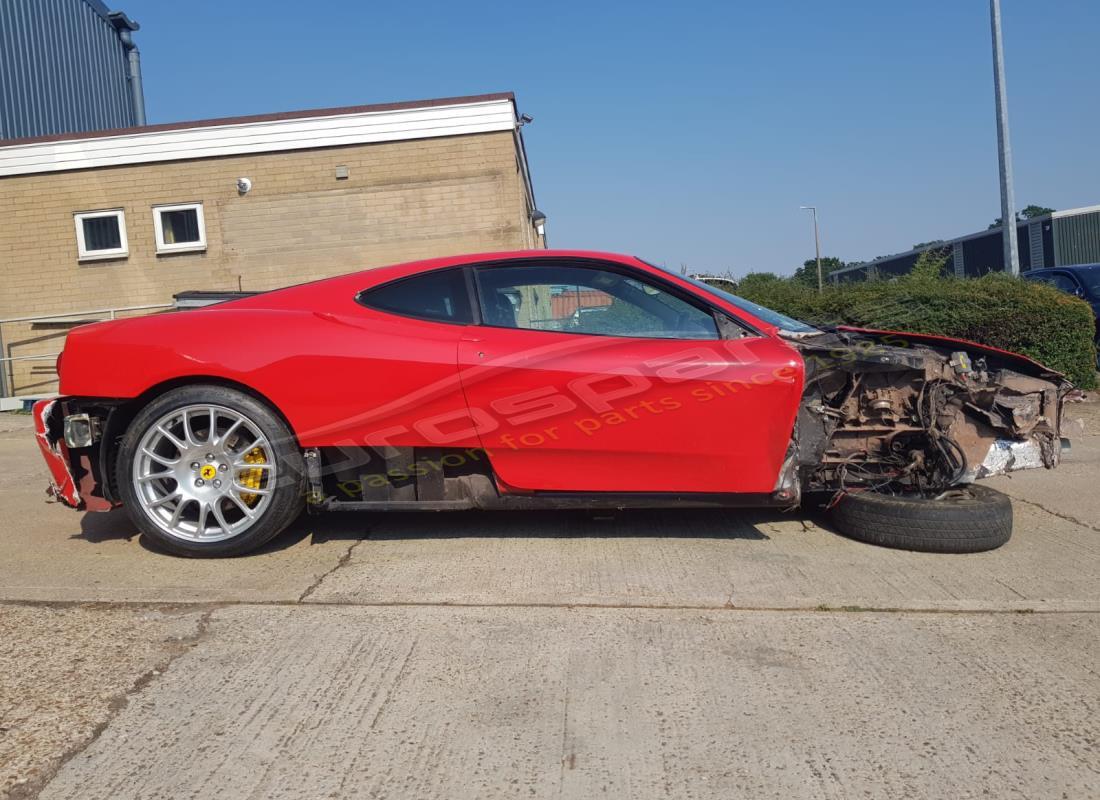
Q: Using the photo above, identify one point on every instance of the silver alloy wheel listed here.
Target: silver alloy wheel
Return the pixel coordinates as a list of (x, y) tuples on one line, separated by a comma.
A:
[(204, 473)]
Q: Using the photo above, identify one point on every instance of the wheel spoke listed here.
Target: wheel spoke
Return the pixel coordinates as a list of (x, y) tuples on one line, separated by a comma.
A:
[(171, 462), (249, 490), (204, 510), (166, 499), (188, 434), (156, 476), (244, 466), (167, 434), (178, 513), (230, 431), (212, 434), (242, 505), (219, 517)]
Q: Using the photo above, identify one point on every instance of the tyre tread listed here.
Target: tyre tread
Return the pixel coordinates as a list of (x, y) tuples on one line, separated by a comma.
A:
[(925, 525)]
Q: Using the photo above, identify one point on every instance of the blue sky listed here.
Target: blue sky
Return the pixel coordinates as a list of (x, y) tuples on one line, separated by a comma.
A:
[(690, 133)]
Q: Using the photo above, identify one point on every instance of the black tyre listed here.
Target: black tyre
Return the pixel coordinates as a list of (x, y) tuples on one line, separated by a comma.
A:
[(967, 519), (209, 471)]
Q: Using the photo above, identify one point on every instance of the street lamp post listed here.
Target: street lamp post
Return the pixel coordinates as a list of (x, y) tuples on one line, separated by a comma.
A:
[(1004, 146), (817, 248)]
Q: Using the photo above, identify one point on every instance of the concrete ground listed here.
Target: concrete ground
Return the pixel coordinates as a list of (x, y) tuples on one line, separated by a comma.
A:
[(659, 654)]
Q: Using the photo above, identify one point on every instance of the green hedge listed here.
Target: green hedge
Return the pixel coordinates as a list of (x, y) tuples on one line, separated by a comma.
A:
[(1037, 320)]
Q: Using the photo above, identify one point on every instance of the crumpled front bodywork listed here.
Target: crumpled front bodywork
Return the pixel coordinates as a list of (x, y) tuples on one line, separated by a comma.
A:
[(72, 479), (62, 484), (914, 412)]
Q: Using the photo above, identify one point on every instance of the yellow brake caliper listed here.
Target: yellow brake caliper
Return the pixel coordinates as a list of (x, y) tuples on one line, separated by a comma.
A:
[(252, 478)]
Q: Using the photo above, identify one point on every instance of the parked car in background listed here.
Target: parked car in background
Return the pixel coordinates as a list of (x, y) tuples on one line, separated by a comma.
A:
[(1081, 280)]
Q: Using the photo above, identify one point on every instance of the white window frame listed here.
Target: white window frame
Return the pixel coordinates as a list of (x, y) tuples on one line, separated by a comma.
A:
[(83, 253), (182, 247)]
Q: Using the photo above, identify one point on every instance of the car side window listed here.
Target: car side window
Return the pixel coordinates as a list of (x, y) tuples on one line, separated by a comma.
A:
[(441, 296), (581, 299), (1059, 280), (1069, 283)]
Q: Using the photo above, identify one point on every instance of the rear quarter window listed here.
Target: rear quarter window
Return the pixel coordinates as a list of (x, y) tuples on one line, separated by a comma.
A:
[(440, 296)]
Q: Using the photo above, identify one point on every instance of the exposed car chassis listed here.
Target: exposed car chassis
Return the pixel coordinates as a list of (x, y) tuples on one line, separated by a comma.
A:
[(918, 413)]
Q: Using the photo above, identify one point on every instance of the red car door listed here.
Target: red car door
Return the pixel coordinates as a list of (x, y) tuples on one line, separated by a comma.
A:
[(588, 378)]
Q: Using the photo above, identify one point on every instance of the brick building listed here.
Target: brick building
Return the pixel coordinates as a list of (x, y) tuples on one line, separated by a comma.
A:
[(131, 217)]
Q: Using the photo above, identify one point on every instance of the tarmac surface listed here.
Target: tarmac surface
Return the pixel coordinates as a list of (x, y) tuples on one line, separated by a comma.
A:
[(658, 654)]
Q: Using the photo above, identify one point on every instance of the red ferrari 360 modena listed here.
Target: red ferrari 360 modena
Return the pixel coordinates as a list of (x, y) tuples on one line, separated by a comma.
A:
[(542, 379)]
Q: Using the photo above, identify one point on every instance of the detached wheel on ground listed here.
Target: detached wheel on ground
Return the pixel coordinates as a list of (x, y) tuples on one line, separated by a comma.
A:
[(966, 519), (208, 471)]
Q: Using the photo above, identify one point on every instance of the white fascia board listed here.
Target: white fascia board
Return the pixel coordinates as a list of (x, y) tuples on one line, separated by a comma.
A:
[(258, 137), (1071, 212)]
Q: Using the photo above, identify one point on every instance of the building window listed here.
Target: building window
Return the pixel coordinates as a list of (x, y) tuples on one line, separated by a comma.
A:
[(179, 228), (101, 234)]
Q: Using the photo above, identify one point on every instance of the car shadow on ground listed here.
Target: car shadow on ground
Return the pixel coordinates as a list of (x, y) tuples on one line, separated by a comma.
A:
[(731, 524), (103, 526), (651, 524)]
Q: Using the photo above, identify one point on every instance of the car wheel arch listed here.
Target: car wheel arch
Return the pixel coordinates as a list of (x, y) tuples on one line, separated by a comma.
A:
[(279, 497), (124, 413)]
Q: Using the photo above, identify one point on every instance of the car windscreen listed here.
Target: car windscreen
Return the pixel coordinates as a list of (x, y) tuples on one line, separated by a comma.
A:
[(1090, 277), (781, 321)]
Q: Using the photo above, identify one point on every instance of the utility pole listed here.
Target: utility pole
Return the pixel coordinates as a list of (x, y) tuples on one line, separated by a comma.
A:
[(1004, 146), (817, 249)]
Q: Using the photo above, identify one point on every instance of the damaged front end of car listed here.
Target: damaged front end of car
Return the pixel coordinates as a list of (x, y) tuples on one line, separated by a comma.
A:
[(907, 413), (70, 440)]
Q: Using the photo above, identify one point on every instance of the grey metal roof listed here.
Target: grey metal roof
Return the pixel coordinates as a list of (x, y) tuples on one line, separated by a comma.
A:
[(63, 68), (1069, 212), (99, 8)]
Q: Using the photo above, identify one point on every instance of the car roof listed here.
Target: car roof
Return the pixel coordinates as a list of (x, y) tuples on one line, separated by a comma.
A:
[(519, 257), (364, 279), (1067, 268)]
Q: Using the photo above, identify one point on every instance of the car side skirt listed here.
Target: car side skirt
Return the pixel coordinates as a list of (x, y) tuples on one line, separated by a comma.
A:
[(546, 501), (456, 479)]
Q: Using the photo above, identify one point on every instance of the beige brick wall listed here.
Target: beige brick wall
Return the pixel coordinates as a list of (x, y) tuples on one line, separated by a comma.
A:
[(403, 201)]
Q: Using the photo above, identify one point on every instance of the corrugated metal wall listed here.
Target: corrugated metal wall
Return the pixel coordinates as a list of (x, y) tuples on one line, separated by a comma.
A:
[(1077, 239), (62, 69)]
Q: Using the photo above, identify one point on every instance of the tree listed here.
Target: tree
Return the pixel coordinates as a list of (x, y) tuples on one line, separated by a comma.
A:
[(807, 273), (930, 264), (757, 279), (1030, 212), (919, 245)]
